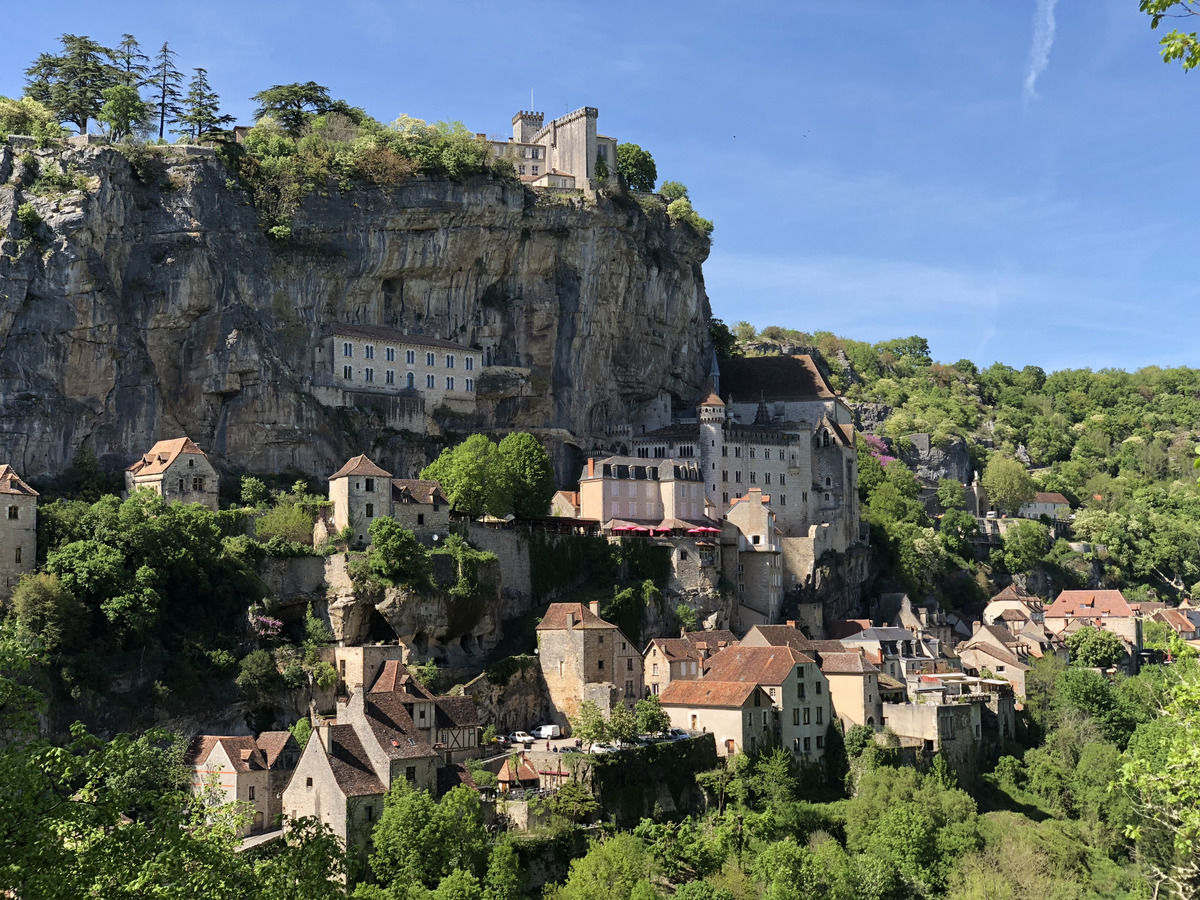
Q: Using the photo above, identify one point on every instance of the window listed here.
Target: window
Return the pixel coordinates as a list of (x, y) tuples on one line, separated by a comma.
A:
[(370, 485), (368, 374), (807, 714), (795, 715), (800, 690), (600, 665), (820, 715), (308, 782), (469, 362), (654, 688), (410, 356), (820, 742), (369, 351), (348, 372), (390, 377), (629, 665), (783, 499), (410, 774), (390, 354), (14, 512), (629, 689), (430, 359), (725, 499), (449, 361), (654, 669), (799, 671), (421, 714), (828, 481), (535, 170), (772, 693), (536, 154), (410, 380), (198, 483), (347, 349), (521, 169), (429, 381), (370, 814), (724, 451), (470, 384), (737, 451), (17, 555), (807, 741), (737, 477), (754, 538), (250, 793), (370, 510), (724, 474), (782, 478), (420, 518), (753, 477), (752, 453), (818, 687), (766, 478), (683, 555), (601, 640), (449, 383)]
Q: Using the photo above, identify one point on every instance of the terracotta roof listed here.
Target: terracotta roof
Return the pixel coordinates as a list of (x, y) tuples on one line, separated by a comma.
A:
[(164, 453), (1000, 633), (774, 378), (713, 638), (1051, 497), (394, 728), (11, 483), (707, 692), (350, 764), (784, 636), (458, 712), (273, 743), (557, 617), (572, 497), (393, 336), (829, 647), (760, 665), (1004, 656), (394, 678), (1178, 620), (360, 465), (846, 664), (1013, 592), (712, 400), (521, 771), (672, 648), (416, 490), (1013, 615), (1090, 604), (244, 754), (762, 498)]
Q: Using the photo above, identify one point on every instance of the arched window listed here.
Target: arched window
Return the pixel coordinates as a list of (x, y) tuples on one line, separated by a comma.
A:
[(411, 380), (824, 437), (828, 481)]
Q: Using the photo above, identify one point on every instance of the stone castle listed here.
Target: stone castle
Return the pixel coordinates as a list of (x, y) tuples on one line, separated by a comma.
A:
[(565, 153)]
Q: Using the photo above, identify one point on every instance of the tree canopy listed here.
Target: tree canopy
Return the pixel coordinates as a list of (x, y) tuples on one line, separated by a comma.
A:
[(637, 167)]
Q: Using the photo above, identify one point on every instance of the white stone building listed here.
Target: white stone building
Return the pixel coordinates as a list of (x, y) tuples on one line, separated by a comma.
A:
[(563, 153), (178, 471)]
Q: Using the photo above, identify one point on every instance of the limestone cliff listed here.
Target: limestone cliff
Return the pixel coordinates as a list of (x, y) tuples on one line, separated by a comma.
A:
[(142, 311)]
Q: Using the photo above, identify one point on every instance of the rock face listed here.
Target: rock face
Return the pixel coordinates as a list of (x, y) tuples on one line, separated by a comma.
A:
[(932, 463), (139, 312)]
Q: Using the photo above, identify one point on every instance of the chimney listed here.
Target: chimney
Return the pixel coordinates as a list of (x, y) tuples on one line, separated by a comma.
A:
[(327, 737), (570, 620), (591, 467), (791, 623), (594, 606)]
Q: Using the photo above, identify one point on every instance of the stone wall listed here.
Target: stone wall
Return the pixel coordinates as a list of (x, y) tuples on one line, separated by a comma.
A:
[(520, 704), (512, 553)]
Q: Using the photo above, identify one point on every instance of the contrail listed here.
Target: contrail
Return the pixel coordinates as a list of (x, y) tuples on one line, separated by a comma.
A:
[(1039, 52)]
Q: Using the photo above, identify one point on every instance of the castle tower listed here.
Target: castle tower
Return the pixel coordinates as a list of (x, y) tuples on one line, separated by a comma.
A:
[(526, 125), (712, 441)]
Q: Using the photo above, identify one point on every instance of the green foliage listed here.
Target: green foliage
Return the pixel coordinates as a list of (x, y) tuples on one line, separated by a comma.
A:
[(200, 113), (165, 82), (467, 561), (46, 610), (254, 492), (957, 529), (1025, 545), (286, 520), (951, 494), (258, 675), (1176, 44), (475, 476), (72, 84), (395, 556), (531, 474), (301, 731), (1007, 483), (1092, 648), (674, 190), (612, 870), (573, 802), (723, 340), (292, 105), (651, 717), (122, 111), (637, 167), (422, 841), (426, 673), (28, 116), (589, 724), (27, 215), (681, 211)]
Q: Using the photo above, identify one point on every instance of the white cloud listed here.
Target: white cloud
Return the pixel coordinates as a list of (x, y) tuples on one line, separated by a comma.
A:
[(1039, 51)]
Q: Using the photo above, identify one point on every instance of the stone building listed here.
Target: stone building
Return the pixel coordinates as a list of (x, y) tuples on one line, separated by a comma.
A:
[(178, 471), (623, 490), (1106, 610), (756, 558), (18, 529), (402, 376), (251, 772), (583, 658), (348, 767), (738, 714), (449, 724), (680, 659), (361, 492), (563, 153)]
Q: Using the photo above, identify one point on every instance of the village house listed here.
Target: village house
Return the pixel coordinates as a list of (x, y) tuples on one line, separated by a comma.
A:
[(362, 492), (898, 653), (1106, 610), (565, 505), (449, 724), (348, 767), (1184, 622), (678, 659), (251, 772), (18, 529), (798, 690), (178, 471), (758, 559), (583, 658), (738, 714), (1052, 505), (1014, 600), (993, 651)]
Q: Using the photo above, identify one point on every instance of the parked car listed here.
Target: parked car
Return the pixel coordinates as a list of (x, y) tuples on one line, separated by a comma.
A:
[(522, 737), (545, 732), (677, 734)]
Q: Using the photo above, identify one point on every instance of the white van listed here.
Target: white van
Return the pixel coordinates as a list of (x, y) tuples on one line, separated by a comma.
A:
[(545, 732)]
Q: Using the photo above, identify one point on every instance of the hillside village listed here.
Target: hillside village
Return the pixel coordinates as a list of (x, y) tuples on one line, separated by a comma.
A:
[(742, 498)]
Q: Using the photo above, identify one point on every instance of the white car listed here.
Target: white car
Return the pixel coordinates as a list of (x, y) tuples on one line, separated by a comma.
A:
[(521, 737), (545, 732)]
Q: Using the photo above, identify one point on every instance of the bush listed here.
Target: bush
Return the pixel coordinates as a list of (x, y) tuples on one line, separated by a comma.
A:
[(26, 116), (28, 216), (681, 211), (288, 521), (258, 675)]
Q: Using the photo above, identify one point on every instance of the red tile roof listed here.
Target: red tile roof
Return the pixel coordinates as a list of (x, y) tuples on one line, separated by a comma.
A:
[(846, 664), (394, 729), (360, 465), (394, 677), (164, 453), (784, 636), (706, 692), (760, 665), (11, 483), (1014, 592), (1091, 604), (244, 754), (416, 490), (557, 617), (1051, 497), (273, 743)]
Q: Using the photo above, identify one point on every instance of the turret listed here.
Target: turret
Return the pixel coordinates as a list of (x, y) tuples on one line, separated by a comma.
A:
[(526, 124), (711, 414)]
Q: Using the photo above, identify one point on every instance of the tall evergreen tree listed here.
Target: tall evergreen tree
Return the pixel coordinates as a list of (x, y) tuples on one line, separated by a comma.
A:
[(132, 64), (72, 83), (166, 80), (201, 114)]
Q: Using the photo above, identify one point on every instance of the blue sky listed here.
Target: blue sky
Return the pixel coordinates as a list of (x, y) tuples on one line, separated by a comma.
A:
[(1009, 179)]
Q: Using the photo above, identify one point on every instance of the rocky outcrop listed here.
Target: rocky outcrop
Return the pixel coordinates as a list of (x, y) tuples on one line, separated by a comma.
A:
[(932, 462), (518, 702), (143, 311)]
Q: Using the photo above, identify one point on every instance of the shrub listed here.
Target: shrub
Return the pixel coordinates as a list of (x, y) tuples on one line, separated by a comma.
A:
[(681, 211), (258, 676), (26, 116), (29, 218)]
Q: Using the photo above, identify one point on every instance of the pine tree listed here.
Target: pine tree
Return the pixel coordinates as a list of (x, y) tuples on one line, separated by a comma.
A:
[(131, 62), (201, 114), (72, 84), (166, 80)]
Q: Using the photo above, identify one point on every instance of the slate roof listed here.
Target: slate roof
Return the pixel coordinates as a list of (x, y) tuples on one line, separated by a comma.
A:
[(846, 664), (11, 483), (350, 764), (880, 634), (394, 728), (759, 665), (668, 432), (774, 378), (393, 336), (244, 754), (162, 454), (417, 490), (360, 465), (273, 743), (1090, 604), (556, 618), (457, 712), (706, 692)]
